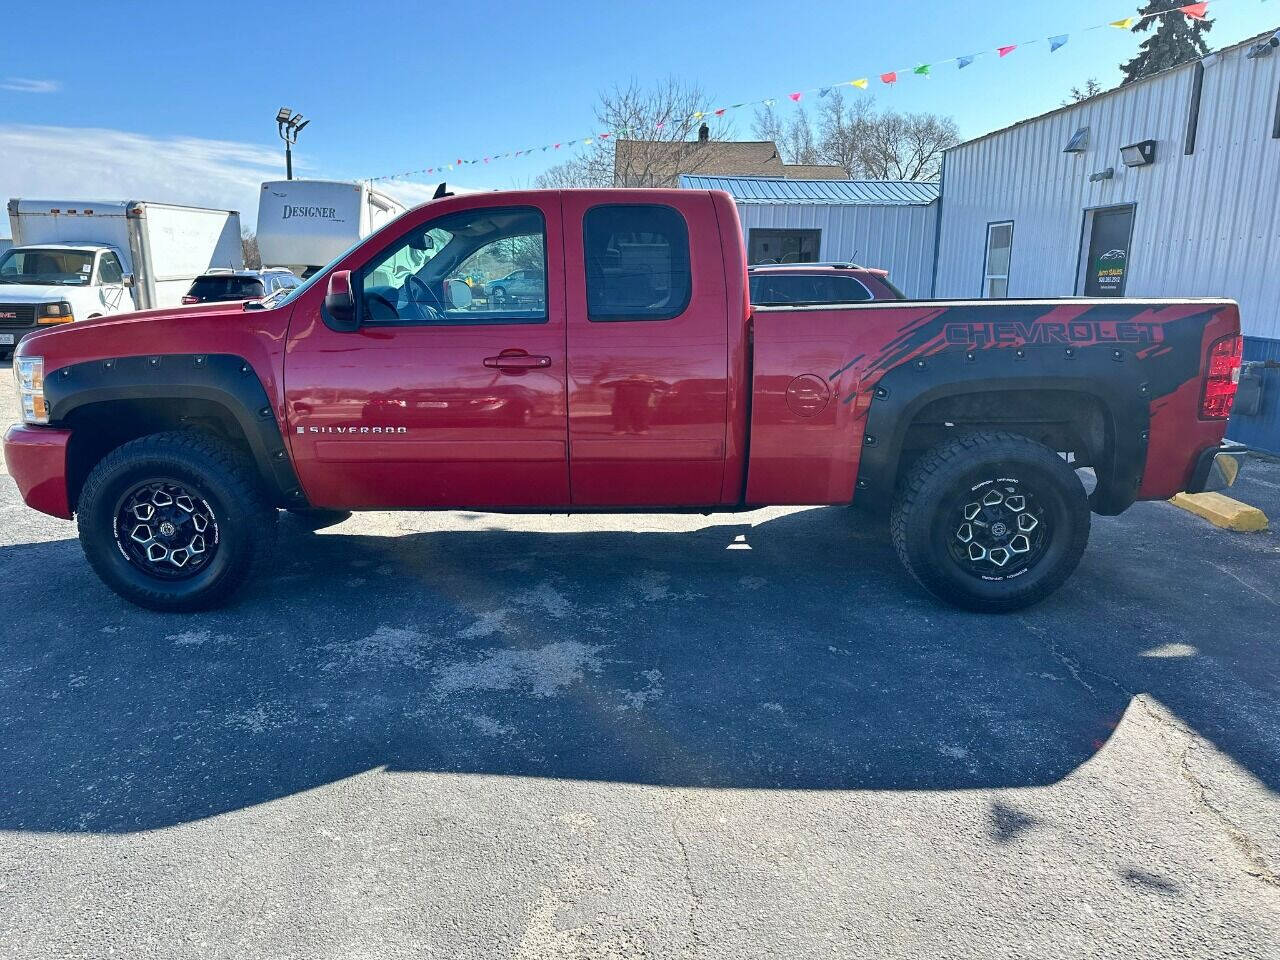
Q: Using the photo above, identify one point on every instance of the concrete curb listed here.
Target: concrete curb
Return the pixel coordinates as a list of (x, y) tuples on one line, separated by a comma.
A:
[(1222, 511)]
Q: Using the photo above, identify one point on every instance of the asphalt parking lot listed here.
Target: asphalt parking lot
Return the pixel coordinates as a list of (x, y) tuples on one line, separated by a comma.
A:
[(485, 736)]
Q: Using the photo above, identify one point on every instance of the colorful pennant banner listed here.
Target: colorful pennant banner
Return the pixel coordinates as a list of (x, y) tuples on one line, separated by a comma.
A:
[(1194, 11)]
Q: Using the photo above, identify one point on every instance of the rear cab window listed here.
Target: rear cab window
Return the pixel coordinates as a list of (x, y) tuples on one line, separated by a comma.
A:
[(637, 262)]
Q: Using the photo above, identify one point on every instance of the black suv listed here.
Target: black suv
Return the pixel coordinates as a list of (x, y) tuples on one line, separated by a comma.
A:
[(219, 286)]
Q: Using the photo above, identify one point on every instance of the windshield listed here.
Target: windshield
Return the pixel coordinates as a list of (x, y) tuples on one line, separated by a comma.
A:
[(67, 268)]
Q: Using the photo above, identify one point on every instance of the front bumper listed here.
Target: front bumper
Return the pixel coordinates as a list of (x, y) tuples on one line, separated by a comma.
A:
[(1218, 467), (37, 461), (16, 333)]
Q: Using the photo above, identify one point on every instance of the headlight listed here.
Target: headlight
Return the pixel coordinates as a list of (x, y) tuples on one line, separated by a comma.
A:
[(59, 312), (30, 374)]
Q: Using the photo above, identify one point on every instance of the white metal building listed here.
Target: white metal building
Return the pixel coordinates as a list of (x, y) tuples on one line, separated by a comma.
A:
[(880, 223), (1051, 207)]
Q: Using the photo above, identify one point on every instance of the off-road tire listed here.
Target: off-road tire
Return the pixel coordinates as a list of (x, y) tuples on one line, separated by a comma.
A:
[(219, 477), (947, 482)]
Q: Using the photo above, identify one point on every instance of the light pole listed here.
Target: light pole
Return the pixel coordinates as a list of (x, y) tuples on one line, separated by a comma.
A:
[(289, 125)]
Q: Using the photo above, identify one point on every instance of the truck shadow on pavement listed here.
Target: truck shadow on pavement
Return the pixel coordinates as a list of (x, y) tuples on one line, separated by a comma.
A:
[(792, 654)]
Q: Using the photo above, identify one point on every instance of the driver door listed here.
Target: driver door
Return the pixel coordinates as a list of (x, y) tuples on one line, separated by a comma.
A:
[(113, 294), (441, 398)]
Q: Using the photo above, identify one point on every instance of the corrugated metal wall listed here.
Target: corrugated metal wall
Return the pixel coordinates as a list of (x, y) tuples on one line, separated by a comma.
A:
[(1206, 224), (898, 238)]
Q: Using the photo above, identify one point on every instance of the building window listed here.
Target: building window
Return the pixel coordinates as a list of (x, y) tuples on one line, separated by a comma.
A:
[(783, 246), (637, 262), (995, 272)]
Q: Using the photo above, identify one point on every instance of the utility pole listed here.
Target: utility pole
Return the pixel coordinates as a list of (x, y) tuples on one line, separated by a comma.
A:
[(289, 125)]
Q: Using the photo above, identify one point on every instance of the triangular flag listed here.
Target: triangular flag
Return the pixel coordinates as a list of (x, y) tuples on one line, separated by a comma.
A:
[(890, 77), (860, 83), (586, 139), (697, 115), (962, 62), (1124, 24), (1195, 11), (923, 70), (768, 103), (1058, 41), (660, 124), (720, 112), (825, 91), (1005, 51), (795, 96), (556, 146)]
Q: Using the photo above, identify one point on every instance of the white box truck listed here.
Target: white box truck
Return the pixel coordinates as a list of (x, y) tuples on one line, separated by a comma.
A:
[(303, 224), (78, 259)]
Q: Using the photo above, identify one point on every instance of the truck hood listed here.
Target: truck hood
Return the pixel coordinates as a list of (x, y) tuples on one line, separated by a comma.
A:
[(33, 293), (197, 328)]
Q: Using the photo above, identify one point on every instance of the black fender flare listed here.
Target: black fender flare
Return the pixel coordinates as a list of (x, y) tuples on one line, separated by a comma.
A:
[(223, 379), (1111, 376)]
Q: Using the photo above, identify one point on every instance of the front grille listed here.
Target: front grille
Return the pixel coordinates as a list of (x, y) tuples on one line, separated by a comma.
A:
[(17, 315)]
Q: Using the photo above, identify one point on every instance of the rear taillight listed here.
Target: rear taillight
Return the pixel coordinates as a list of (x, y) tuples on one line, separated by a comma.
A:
[(1221, 378), (190, 299)]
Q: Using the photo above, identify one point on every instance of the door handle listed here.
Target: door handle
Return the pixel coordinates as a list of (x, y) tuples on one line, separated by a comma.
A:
[(517, 361)]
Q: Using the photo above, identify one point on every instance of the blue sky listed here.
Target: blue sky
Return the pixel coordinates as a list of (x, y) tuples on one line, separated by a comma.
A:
[(175, 101)]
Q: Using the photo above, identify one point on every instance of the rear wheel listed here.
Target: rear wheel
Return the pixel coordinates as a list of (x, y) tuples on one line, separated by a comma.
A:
[(174, 521), (991, 522)]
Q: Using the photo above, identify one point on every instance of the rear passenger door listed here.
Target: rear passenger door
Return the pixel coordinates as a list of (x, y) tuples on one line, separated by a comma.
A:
[(647, 346)]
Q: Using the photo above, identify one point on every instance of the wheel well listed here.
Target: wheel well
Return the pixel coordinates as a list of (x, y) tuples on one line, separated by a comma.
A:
[(1063, 420), (99, 428)]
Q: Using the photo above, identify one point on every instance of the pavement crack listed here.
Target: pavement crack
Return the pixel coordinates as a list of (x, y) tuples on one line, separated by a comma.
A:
[(1248, 848), (1072, 664), (693, 897)]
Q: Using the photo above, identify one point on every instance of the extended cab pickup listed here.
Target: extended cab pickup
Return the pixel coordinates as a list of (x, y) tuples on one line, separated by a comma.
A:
[(636, 378)]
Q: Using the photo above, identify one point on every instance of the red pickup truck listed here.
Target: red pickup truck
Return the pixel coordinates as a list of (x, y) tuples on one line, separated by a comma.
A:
[(627, 373)]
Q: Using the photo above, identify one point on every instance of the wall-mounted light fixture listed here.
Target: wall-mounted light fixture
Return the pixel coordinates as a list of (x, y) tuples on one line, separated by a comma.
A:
[(1079, 141), (1106, 174), (1263, 49), (1139, 154)]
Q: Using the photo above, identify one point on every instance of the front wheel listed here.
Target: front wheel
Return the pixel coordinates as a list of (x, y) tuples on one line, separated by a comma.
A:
[(174, 521), (991, 522)]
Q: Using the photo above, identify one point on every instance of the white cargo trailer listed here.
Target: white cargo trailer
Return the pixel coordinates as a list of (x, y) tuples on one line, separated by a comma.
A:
[(77, 259), (303, 224)]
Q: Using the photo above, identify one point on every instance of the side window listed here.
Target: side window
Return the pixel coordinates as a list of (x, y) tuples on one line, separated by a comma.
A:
[(109, 270), (637, 262), (458, 270), (995, 270)]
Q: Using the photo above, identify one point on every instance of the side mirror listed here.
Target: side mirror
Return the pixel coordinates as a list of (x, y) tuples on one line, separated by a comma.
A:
[(127, 280), (458, 294), (422, 244), (340, 302)]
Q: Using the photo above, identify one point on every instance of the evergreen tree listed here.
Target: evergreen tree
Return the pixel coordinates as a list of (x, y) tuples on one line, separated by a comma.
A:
[(1178, 38)]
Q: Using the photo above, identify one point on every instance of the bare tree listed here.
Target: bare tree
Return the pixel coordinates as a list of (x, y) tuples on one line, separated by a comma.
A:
[(907, 146), (1091, 89), (794, 139), (875, 145), (249, 247), (653, 138), (766, 125), (845, 131)]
